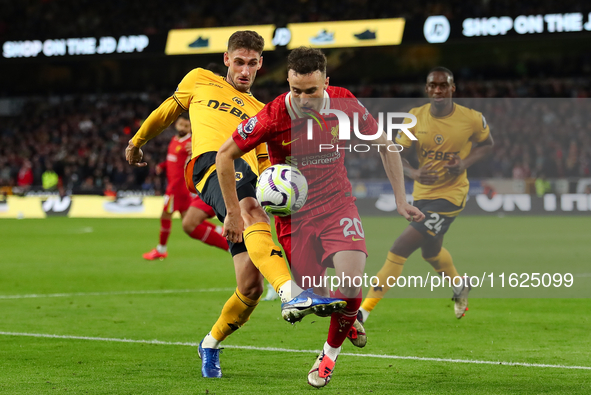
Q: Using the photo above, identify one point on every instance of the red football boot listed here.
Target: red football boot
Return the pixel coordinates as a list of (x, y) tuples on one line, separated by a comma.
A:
[(154, 254)]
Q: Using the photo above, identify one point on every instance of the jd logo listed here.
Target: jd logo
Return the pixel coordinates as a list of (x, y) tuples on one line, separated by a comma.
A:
[(277, 252), (436, 29), (282, 36)]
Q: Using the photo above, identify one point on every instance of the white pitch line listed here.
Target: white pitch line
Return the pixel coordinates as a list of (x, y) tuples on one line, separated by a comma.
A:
[(87, 229), (157, 291), (273, 349)]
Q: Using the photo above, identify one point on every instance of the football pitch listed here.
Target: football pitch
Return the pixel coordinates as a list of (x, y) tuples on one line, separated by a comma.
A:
[(82, 312)]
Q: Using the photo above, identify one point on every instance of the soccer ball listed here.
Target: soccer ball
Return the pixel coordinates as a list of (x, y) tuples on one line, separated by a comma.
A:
[(282, 190)]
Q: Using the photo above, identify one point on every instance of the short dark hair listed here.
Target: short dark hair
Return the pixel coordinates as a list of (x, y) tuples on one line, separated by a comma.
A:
[(306, 60), (216, 68), (246, 39), (184, 115), (443, 70)]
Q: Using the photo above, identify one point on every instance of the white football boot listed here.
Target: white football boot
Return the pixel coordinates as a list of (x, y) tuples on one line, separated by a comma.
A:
[(461, 298)]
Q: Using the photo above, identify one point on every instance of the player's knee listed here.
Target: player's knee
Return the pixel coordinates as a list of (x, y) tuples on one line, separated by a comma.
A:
[(252, 212), (430, 251), (250, 220), (259, 215), (429, 256), (188, 226), (400, 248), (252, 291), (408, 242)]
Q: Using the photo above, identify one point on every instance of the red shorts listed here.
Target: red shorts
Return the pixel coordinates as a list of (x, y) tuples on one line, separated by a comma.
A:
[(182, 201), (201, 205), (310, 242)]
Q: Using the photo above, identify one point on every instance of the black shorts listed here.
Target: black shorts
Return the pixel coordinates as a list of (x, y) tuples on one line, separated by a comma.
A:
[(212, 194), (439, 214)]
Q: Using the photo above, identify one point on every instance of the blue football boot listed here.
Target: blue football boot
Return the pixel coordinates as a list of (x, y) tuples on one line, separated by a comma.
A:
[(309, 303), (210, 362)]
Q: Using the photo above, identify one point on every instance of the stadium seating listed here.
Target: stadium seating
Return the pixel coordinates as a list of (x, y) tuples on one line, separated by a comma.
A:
[(84, 137)]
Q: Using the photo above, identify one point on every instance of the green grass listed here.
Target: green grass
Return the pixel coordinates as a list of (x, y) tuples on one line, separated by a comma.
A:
[(75, 255)]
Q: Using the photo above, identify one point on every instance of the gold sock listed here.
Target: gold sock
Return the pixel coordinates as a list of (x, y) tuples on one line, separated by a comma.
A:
[(444, 264), (235, 313), (391, 269), (266, 255)]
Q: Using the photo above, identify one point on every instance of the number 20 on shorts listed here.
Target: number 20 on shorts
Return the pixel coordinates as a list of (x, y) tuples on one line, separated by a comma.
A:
[(352, 227)]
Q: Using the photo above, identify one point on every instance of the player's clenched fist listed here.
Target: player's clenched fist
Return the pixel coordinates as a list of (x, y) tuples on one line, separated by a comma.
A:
[(425, 175), (411, 213), (455, 166), (134, 155), (233, 227)]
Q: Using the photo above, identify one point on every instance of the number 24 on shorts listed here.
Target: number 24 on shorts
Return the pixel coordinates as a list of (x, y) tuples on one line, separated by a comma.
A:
[(435, 222)]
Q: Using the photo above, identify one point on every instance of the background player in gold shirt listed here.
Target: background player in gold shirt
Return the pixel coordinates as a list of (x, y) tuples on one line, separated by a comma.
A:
[(451, 138), (216, 106)]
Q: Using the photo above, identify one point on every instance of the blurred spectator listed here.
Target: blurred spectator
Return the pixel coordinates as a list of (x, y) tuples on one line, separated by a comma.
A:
[(49, 178), (543, 186), (25, 175), (109, 190), (521, 171), (87, 185)]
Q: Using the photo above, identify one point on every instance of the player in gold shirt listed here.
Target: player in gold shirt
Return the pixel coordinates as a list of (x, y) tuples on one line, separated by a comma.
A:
[(450, 138), (216, 106)]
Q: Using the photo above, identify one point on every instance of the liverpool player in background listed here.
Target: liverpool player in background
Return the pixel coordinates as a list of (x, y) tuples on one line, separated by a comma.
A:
[(194, 212), (450, 138), (327, 231)]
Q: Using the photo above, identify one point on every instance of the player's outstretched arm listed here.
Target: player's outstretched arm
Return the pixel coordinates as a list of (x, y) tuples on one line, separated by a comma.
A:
[(394, 170), (224, 162), (158, 120)]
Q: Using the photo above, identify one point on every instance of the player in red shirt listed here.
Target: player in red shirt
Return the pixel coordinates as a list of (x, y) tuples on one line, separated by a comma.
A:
[(327, 231), (193, 210)]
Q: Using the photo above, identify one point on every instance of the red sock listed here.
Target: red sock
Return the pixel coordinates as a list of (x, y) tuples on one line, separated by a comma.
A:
[(205, 232), (341, 322), (164, 230)]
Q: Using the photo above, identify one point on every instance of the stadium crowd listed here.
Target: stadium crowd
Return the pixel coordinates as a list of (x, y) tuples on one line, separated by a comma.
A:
[(82, 138), (534, 137)]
